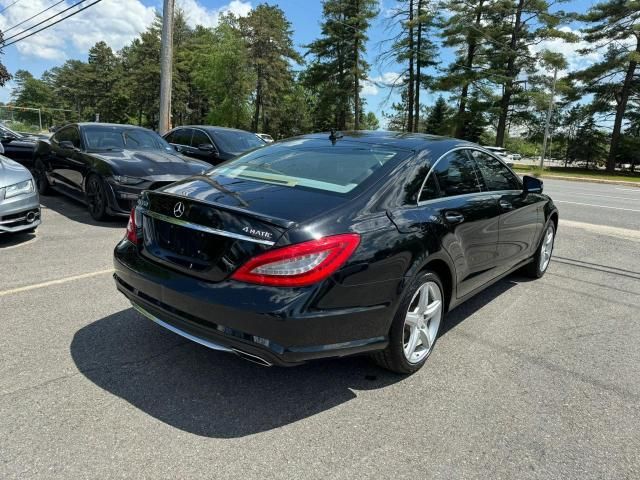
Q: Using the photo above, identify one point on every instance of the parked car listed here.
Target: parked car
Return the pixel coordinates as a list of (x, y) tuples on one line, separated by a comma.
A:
[(326, 246), (19, 201), (266, 137), (212, 144), (107, 166), (17, 146)]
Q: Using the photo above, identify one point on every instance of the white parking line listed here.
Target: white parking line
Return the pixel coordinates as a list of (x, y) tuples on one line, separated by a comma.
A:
[(54, 282), (633, 199), (599, 206), (637, 190), (626, 233)]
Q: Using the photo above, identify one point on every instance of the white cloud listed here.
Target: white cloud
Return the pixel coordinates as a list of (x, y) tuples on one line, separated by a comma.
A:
[(575, 59), (116, 22), (368, 88), (387, 79), (198, 15)]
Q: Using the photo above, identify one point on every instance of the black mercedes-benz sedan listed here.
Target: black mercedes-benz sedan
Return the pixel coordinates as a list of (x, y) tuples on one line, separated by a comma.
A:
[(326, 246), (17, 146), (107, 166), (212, 144)]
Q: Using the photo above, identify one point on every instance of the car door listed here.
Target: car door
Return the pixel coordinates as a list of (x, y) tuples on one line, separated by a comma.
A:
[(519, 216), (202, 147), (465, 217), (180, 138), (59, 158), (72, 166)]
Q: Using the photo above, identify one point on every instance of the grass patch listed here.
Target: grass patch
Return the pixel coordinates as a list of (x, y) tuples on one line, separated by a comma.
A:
[(577, 172)]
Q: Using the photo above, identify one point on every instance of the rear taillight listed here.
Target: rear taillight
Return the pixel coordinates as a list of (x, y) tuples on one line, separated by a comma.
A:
[(300, 264), (132, 228)]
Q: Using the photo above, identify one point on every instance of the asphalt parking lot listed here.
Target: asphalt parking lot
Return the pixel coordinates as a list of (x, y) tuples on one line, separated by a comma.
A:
[(531, 379)]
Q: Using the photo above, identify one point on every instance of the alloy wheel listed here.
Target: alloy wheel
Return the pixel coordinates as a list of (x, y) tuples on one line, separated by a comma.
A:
[(422, 322), (546, 248), (95, 199)]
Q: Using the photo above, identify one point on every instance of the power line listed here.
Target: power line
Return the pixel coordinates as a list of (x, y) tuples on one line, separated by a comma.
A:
[(9, 6), (44, 21), (52, 24), (33, 16)]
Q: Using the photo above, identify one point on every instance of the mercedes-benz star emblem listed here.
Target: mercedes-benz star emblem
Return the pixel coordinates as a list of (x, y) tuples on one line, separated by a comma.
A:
[(178, 209)]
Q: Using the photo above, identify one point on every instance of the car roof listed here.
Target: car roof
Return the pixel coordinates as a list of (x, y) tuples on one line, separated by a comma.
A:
[(213, 128), (400, 140), (99, 124)]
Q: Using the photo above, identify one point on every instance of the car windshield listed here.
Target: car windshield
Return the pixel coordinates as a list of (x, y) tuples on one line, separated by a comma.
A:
[(4, 130), (237, 142), (118, 138), (337, 169)]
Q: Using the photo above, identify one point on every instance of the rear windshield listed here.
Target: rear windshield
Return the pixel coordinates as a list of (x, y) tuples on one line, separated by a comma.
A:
[(337, 169), (236, 142)]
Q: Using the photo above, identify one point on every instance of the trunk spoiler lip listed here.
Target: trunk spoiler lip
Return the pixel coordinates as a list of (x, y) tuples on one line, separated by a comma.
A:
[(279, 222)]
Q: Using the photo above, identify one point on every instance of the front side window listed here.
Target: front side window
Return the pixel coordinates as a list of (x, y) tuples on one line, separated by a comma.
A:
[(69, 134), (496, 175), (457, 175), (337, 169), (200, 138)]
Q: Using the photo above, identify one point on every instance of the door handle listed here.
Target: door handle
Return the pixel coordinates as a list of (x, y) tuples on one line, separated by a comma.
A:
[(454, 217), (506, 205)]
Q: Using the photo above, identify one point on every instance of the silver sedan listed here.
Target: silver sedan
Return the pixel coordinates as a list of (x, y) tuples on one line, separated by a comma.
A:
[(19, 201)]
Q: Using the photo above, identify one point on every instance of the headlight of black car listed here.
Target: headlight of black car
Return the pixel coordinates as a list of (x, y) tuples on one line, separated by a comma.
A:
[(124, 180)]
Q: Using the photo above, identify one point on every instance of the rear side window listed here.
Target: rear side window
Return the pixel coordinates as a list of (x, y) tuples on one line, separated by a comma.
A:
[(430, 190), (496, 175), (457, 174), (338, 169)]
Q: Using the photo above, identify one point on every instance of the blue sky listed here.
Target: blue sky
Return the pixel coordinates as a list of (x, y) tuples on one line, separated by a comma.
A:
[(118, 21)]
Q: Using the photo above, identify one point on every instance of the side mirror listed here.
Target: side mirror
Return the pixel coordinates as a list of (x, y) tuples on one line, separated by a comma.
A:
[(6, 138), (532, 184), (206, 147), (177, 148), (67, 145)]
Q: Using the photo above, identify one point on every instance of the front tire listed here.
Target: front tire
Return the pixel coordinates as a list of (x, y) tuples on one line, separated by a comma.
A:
[(40, 176), (541, 260), (96, 197), (415, 328)]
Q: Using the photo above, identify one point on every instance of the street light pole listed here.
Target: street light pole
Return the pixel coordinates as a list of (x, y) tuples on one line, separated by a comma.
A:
[(166, 66), (549, 112)]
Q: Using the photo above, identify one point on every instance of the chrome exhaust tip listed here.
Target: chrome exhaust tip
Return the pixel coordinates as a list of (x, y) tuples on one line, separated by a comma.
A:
[(252, 358)]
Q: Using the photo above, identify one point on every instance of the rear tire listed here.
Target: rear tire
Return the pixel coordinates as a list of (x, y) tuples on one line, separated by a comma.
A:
[(416, 325), (542, 258), (96, 197), (40, 176)]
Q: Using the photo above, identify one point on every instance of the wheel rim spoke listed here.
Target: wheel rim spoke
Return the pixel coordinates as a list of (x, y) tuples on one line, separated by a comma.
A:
[(422, 322)]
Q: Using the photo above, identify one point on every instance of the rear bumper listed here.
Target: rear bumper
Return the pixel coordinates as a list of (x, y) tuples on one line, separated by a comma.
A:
[(268, 325)]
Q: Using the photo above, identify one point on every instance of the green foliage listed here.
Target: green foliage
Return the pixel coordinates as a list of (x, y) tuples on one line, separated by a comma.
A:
[(370, 122), (589, 144), (438, 121)]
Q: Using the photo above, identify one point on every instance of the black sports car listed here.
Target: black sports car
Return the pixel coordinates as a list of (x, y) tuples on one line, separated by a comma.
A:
[(17, 146), (212, 144), (108, 166), (325, 246)]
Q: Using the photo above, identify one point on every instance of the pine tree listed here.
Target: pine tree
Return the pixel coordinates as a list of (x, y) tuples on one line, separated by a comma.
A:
[(611, 24), (337, 65), (439, 118)]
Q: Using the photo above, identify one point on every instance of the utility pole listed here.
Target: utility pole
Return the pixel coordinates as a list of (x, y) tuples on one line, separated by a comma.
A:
[(166, 66), (549, 112)]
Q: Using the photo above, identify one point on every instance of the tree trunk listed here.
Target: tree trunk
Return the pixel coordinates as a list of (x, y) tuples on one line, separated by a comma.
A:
[(622, 101), (511, 73), (256, 113), (356, 76), (464, 94), (416, 114), (410, 93)]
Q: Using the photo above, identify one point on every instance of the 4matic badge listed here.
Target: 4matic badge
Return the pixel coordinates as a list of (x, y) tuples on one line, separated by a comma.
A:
[(257, 233)]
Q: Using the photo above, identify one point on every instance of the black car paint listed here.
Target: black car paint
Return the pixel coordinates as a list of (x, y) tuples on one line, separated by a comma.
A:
[(214, 155), (351, 312), (18, 147), (68, 169)]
